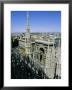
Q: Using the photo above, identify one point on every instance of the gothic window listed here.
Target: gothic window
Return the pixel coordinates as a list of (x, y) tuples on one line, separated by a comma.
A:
[(40, 57), (26, 40), (37, 56), (41, 54)]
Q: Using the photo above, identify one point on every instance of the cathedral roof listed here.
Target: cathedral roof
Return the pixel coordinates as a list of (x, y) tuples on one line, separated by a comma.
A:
[(22, 40), (44, 42)]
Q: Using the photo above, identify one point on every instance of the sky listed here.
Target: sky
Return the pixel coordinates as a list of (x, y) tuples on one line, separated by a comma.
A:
[(40, 21)]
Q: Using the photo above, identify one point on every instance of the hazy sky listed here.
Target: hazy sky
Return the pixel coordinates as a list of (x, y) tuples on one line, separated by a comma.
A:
[(40, 21)]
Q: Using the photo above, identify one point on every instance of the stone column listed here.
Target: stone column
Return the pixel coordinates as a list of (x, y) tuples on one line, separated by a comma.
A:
[(58, 71), (33, 55), (47, 61), (50, 62)]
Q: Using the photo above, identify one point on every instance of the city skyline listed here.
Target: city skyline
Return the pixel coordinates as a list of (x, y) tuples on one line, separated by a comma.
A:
[(40, 21)]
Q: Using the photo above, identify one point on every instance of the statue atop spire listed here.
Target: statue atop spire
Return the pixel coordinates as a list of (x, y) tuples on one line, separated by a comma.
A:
[(28, 26), (27, 37)]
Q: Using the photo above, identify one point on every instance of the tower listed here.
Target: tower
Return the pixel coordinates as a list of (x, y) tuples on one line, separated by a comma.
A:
[(27, 37), (50, 60), (28, 26)]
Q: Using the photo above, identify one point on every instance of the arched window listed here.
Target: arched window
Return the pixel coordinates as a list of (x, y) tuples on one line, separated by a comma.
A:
[(41, 54)]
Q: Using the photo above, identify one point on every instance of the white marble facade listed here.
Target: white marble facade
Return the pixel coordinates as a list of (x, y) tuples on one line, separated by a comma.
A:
[(46, 52)]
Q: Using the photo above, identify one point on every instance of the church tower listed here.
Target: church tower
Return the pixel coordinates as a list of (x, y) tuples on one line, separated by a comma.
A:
[(27, 37), (28, 26)]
